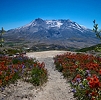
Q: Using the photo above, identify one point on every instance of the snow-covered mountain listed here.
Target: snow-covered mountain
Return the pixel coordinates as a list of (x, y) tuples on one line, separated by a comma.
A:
[(60, 24), (60, 32)]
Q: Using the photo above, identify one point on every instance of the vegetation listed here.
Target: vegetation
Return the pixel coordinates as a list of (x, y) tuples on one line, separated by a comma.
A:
[(1, 37), (84, 73), (38, 74), (95, 29), (20, 66), (95, 48), (46, 47)]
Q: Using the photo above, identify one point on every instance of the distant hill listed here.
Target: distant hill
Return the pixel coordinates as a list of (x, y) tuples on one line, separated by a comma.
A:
[(96, 48)]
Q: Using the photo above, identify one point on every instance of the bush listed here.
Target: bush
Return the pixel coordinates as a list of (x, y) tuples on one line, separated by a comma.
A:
[(38, 76)]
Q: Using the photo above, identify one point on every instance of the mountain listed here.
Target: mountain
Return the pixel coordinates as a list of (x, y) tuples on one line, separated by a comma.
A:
[(61, 32)]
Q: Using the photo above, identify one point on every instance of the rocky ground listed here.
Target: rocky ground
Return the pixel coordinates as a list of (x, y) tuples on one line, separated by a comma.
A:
[(56, 88)]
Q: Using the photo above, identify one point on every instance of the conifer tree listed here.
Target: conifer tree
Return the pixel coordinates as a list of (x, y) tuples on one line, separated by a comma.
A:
[(1, 37), (96, 30)]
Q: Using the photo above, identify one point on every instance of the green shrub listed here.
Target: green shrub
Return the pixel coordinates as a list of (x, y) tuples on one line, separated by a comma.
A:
[(38, 76)]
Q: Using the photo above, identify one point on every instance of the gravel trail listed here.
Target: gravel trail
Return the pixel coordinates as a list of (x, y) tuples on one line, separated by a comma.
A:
[(56, 87)]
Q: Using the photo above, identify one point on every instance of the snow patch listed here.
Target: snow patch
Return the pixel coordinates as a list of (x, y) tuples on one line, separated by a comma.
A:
[(84, 27), (30, 24), (77, 26), (54, 23)]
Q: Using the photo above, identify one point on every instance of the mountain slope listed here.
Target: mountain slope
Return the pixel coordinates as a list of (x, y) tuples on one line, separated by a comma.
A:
[(59, 32)]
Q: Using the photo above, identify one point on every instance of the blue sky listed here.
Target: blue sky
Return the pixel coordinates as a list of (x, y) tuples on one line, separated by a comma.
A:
[(16, 13)]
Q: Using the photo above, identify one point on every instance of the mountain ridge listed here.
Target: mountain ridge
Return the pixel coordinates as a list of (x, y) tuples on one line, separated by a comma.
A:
[(63, 32), (39, 20)]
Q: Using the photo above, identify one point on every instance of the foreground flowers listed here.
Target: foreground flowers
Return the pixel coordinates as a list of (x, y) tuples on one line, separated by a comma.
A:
[(84, 72), (13, 68)]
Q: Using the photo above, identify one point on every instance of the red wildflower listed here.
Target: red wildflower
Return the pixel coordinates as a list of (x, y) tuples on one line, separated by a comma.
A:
[(78, 76), (88, 78), (0, 82), (93, 99), (100, 71), (42, 65), (35, 65), (94, 82), (10, 77), (0, 72), (6, 78), (87, 92), (94, 93)]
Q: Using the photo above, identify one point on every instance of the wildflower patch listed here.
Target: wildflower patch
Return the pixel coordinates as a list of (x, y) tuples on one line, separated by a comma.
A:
[(84, 73), (20, 66)]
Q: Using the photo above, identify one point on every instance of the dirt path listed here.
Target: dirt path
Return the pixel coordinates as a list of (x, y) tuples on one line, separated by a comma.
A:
[(55, 89)]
